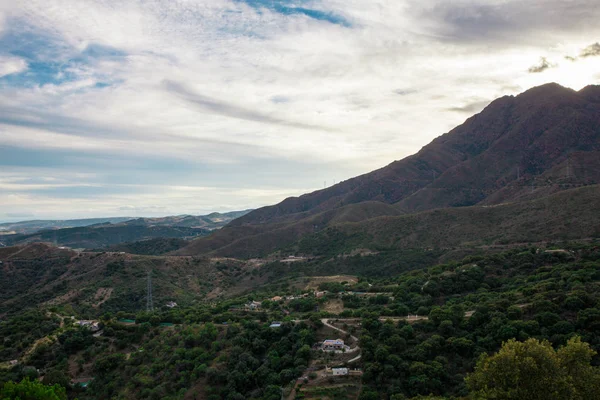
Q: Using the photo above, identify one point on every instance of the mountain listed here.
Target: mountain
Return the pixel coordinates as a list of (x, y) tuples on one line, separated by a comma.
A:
[(210, 221), (104, 233), (519, 148)]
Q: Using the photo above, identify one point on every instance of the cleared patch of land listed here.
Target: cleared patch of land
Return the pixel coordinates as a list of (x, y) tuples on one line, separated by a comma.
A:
[(102, 295), (65, 298), (333, 306), (315, 281)]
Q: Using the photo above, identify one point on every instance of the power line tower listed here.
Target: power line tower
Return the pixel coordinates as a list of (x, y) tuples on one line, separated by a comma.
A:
[(149, 303)]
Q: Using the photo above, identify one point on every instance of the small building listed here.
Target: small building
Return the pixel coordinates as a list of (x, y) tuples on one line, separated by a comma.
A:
[(339, 371), (13, 362), (253, 305), (93, 326), (277, 298), (318, 295), (171, 304), (332, 344), (275, 324)]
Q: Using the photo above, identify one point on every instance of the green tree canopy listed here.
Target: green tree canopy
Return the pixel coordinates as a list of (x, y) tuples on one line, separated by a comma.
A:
[(534, 370), (32, 390)]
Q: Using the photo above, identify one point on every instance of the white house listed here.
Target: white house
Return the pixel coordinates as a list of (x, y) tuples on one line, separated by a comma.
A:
[(339, 371), (332, 344)]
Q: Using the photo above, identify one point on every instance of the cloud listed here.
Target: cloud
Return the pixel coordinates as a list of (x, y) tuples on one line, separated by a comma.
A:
[(278, 99), (472, 107), (505, 22), (543, 65), (11, 65), (404, 92), (591, 51), (18, 215), (227, 109)]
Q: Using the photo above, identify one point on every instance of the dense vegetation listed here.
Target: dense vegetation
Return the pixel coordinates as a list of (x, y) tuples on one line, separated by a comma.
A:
[(150, 247), (28, 390), (473, 307), (565, 374), (547, 300), (19, 333)]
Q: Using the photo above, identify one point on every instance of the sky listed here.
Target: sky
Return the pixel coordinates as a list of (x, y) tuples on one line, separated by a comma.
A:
[(164, 107)]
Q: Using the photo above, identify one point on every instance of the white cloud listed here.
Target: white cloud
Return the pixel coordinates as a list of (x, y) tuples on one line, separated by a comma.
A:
[(11, 65)]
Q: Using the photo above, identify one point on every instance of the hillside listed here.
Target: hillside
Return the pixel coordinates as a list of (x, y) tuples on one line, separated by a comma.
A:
[(210, 221), (149, 247), (566, 215), (92, 283), (521, 148)]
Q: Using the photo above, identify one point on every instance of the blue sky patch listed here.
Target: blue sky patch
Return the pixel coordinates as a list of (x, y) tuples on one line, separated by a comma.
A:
[(49, 59), (301, 7)]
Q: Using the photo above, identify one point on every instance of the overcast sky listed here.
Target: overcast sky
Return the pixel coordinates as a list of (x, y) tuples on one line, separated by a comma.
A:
[(162, 107)]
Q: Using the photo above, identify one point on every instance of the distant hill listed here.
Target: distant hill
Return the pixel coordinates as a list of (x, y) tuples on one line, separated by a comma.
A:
[(26, 227), (211, 221), (100, 236), (105, 233), (541, 142)]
